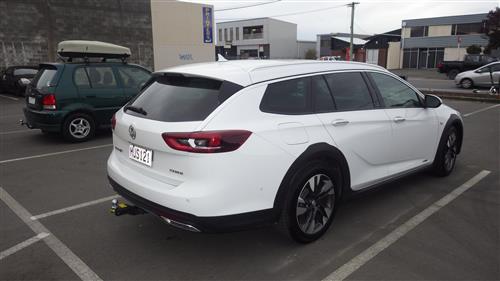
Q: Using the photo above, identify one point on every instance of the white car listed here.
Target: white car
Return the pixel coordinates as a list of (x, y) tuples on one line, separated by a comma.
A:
[(480, 77), (227, 145)]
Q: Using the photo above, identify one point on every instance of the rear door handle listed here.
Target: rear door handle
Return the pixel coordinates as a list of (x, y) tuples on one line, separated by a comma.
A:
[(399, 119), (340, 122)]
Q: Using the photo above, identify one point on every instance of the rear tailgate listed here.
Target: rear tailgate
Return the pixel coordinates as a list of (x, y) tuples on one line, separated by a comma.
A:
[(44, 83)]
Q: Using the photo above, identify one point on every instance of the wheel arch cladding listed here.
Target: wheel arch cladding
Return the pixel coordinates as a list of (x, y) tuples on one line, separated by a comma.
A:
[(318, 151)]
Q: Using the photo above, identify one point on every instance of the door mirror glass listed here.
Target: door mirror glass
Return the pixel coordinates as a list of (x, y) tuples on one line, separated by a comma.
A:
[(432, 101)]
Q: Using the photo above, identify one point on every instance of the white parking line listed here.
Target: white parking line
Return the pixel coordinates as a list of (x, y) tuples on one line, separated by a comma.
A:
[(61, 250), (354, 264), (23, 245), (481, 110), (16, 132), (54, 153), (71, 208), (7, 97)]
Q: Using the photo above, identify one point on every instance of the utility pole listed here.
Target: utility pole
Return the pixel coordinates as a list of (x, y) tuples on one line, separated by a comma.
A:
[(352, 29)]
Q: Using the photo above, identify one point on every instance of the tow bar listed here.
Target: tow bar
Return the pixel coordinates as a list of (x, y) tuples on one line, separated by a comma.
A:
[(24, 123), (120, 208)]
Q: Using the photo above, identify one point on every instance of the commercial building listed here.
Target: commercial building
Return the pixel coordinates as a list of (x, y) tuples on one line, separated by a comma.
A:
[(337, 44), (426, 42), (383, 49), (265, 38), (159, 33)]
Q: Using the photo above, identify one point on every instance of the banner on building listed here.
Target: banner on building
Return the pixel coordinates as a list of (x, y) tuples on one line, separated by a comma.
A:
[(207, 25)]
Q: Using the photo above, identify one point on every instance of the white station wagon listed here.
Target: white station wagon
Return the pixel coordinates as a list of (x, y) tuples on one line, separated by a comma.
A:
[(227, 145)]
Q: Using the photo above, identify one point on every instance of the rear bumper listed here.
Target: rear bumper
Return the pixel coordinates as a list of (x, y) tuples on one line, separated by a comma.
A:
[(204, 224), (46, 120)]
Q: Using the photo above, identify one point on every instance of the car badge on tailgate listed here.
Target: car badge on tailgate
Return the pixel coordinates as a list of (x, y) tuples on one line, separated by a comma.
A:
[(131, 132)]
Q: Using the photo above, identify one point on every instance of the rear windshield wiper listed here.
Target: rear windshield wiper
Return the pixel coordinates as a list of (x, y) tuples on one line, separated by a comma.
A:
[(139, 110)]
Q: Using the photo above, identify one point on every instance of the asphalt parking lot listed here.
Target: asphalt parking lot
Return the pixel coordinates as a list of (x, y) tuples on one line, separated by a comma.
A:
[(55, 222)]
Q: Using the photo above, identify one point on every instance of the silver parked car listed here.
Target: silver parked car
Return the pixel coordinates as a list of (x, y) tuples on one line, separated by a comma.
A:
[(479, 77)]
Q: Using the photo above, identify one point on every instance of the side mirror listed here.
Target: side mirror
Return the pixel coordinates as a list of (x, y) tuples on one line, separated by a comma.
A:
[(24, 82), (432, 101)]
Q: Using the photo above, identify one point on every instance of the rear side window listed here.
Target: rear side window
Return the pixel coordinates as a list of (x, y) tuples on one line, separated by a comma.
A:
[(44, 78), (81, 78), (287, 97), (178, 98), (102, 77), (349, 91), (395, 93), (323, 101), (133, 77), (25, 71)]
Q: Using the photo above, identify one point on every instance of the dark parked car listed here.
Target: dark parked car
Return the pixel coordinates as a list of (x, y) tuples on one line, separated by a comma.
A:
[(452, 68), (11, 80), (76, 98)]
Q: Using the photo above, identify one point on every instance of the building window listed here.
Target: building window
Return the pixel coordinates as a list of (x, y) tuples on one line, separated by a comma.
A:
[(422, 57), (325, 43), (467, 28), (225, 34), (231, 34), (220, 34), (237, 33), (419, 31), (253, 32)]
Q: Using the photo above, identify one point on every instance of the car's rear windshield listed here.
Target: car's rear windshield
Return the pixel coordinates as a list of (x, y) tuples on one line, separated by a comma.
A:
[(25, 71), (180, 98), (44, 78)]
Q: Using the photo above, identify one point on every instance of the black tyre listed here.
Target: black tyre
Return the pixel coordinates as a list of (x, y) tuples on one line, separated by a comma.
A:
[(311, 202), (446, 155), (453, 73), (78, 127), (466, 83)]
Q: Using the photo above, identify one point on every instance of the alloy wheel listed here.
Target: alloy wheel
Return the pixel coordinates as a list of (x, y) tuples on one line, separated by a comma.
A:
[(79, 128), (451, 151), (315, 203)]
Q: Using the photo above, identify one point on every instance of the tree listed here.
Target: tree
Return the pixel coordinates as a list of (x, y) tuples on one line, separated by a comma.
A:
[(473, 49), (492, 29), (310, 54)]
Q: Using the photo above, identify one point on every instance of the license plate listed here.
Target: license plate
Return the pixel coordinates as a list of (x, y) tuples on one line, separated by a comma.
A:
[(31, 100), (141, 155)]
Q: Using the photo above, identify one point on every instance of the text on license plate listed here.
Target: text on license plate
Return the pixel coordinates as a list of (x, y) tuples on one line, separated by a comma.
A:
[(31, 100), (141, 155)]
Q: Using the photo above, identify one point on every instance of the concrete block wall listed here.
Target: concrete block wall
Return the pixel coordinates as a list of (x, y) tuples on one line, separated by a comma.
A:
[(31, 29)]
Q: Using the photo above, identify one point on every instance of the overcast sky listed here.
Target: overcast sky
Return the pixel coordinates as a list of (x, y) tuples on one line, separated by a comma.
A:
[(371, 16)]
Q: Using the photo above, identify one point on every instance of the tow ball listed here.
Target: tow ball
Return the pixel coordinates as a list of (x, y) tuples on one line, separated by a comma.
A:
[(120, 208)]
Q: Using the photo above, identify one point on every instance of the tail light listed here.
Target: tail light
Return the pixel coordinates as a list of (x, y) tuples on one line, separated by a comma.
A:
[(113, 122), (439, 65), (207, 142), (49, 101)]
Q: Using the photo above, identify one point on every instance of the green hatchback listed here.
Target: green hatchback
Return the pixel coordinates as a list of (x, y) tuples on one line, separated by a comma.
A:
[(76, 98)]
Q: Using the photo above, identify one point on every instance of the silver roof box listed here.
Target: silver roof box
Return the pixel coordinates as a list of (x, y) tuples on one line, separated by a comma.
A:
[(91, 49)]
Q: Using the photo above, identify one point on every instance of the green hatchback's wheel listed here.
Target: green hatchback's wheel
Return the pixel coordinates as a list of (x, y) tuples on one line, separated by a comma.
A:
[(78, 127)]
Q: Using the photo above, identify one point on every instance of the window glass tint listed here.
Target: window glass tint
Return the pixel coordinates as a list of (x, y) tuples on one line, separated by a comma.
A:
[(349, 91), (394, 92), (287, 97), (44, 78), (176, 98), (81, 79), (133, 77), (25, 71), (495, 67), (101, 77), (323, 101)]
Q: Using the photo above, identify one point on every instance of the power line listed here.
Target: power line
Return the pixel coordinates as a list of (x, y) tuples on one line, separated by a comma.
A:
[(296, 13), (248, 6)]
